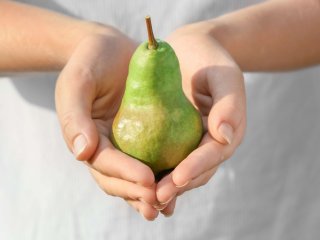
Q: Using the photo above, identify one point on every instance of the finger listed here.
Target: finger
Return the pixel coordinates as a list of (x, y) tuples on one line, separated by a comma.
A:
[(209, 154), (169, 210), (146, 210), (166, 190), (111, 162), (124, 189), (74, 110), (229, 106), (199, 181), (134, 203)]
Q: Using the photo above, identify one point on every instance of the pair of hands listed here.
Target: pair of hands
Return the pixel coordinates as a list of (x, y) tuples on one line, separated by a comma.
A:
[(88, 95)]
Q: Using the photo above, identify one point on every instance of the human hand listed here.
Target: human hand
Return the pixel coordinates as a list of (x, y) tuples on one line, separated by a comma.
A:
[(88, 94), (213, 82)]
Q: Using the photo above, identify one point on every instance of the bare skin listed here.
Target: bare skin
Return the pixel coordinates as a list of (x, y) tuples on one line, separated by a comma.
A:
[(94, 60)]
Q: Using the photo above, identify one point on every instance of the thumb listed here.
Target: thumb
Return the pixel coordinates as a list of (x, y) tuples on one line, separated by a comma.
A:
[(74, 96), (227, 117)]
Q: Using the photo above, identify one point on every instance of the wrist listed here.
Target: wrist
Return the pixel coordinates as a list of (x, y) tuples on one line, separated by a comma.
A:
[(212, 28), (80, 31), (220, 32)]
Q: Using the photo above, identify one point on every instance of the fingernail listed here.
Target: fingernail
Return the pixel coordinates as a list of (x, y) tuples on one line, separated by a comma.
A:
[(159, 207), (226, 132), (185, 184), (166, 202), (79, 144)]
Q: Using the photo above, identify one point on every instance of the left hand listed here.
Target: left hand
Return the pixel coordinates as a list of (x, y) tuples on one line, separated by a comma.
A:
[(213, 82)]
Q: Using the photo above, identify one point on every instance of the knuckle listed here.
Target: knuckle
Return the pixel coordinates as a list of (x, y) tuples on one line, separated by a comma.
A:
[(76, 75), (85, 75)]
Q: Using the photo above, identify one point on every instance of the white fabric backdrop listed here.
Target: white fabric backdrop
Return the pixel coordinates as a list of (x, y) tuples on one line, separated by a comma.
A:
[(268, 190)]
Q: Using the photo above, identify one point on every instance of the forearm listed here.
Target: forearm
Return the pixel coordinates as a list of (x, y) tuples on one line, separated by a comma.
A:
[(32, 38), (274, 35)]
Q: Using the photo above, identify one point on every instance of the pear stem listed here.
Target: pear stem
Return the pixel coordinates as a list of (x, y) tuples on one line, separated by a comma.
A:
[(152, 41)]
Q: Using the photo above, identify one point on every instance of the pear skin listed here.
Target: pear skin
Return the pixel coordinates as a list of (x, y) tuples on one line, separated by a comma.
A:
[(156, 123)]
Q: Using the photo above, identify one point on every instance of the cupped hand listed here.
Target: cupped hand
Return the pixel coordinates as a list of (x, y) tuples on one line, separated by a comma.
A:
[(88, 94), (213, 82)]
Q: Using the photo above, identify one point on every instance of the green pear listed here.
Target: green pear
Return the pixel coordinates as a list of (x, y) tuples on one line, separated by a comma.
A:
[(156, 123)]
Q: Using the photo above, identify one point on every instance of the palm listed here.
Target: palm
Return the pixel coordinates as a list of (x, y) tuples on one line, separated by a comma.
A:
[(213, 82), (104, 109)]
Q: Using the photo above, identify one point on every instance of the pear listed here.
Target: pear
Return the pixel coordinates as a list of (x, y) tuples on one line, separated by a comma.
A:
[(156, 123)]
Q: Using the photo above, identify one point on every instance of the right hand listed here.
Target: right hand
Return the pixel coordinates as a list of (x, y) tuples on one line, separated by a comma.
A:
[(88, 95)]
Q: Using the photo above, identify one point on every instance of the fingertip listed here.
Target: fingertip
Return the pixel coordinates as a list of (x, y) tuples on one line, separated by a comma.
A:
[(83, 147), (140, 173), (181, 176), (169, 210), (224, 120), (226, 132), (148, 195), (147, 179), (148, 212), (151, 216), (196, 163), (180, 182), (145, 210), (166, 190), (80, 134), (79, 146)]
